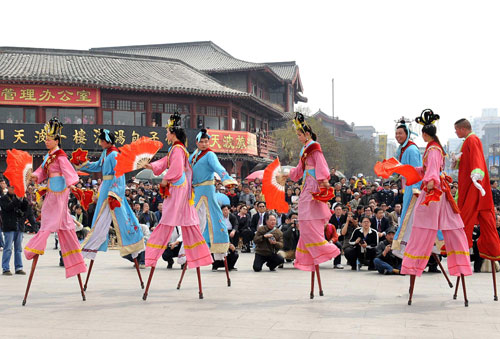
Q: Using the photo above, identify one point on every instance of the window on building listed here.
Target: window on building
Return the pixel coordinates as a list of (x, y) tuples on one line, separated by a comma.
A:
[(14, 115), (213, 117), (72, 115), (235, 123), (251, 125), (124, 112), (162, 112), (243, 122)]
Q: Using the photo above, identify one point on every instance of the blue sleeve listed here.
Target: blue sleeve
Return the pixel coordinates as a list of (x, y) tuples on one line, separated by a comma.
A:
[(216, 166), (95, 166), (414, 159)]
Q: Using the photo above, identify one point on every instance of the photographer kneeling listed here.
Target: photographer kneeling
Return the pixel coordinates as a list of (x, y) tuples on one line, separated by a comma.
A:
[(386, 262), (290, 238), (363, 244), (268, 241)]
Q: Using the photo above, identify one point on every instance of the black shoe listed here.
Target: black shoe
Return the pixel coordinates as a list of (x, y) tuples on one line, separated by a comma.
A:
[(272, 269), (433, 270), (214, 269), (21, 272), (245, 250), (182, 266), (61, 263), (170, 264), (7, 273)]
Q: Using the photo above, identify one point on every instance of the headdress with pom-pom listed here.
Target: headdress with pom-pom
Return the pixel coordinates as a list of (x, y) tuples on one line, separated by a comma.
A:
[(174, 121), (53, 127), (300, 123)]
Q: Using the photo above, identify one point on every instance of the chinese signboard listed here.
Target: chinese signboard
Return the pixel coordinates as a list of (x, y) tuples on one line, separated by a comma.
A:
[(382, 146), (35, 95), (233, 142)]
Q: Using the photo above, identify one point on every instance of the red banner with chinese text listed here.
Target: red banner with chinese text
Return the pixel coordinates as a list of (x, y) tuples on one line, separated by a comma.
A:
[(39, 95), (233, 142)]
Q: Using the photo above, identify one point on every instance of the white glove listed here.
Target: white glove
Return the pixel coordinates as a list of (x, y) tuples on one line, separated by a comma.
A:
[(475, 177)]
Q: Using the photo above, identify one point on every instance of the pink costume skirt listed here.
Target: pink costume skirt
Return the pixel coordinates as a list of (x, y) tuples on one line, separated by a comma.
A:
[(420, 245), (197, 251), (56, 218), (312, 248)]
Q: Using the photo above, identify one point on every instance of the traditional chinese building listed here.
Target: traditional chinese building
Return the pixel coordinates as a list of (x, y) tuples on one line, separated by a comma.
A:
[(339, 128), (134, 93)]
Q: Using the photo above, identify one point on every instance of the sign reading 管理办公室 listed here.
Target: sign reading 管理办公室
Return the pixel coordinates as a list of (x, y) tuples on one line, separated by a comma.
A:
[(38, 95)]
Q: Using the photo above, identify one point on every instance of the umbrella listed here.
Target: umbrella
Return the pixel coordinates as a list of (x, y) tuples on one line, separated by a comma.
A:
[(255, 175), (147, 174)]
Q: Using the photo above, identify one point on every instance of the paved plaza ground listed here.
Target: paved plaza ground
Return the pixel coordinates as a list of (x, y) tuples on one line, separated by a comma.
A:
[(257, 305)]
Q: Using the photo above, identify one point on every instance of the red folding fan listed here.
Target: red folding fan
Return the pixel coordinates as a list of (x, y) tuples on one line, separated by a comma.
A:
[(19, 170), (273, 187), (135, 155), (79, 157), (385, 169), (84, 196)]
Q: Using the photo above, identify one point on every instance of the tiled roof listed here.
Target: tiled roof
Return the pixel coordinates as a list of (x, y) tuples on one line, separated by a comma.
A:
[(108, 70), (286, 70), (203, 55)]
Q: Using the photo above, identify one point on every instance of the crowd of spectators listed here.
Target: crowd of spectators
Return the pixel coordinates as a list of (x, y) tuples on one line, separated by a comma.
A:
[(365, 216)]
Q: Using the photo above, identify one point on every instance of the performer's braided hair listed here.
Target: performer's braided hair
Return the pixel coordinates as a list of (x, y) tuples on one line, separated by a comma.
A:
[(427, 118)]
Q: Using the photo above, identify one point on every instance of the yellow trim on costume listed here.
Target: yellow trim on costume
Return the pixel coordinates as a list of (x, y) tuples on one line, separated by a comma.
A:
[(34, 250), (108, 177), (416, 256), (161, 247), (486, 256), (190, 247), (205, 183), (457, 253), (314, 244), (64, 255), (302, 251)]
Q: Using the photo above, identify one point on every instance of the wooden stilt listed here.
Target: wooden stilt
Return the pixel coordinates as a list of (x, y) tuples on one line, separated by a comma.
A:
[(319, 281), (145, 295), (138, 272), (81, 286), (412, 286), (182, 276), (494, 274), (33, 267), (466, 302), (199, 282), (434, 255), (456, 288), (227, 272), (311, 295), (88, 274)]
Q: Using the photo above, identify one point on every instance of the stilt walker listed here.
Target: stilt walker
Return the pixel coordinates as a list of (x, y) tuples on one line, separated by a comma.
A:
[(178, 209), (55, 215), (409, 154), (474, 196), (312, 248), (204, 163), (435, 210), (111, 209)]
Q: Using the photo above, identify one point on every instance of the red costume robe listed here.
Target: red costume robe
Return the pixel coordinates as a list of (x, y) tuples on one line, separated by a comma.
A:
[(474, 208)]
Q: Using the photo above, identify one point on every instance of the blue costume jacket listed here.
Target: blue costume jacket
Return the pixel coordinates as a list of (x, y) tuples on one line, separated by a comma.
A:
[(204, 165), (128, 231)]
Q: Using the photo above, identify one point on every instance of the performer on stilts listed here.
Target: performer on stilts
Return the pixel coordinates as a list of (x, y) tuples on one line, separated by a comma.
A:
[(112, 208), (409, 154), (474, 195), (55, 216), (205, 163), (178, 209), (312, 248), (435, 210)]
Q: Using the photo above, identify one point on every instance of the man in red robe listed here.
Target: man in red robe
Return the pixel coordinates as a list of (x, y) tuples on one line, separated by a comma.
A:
[(474, 194)]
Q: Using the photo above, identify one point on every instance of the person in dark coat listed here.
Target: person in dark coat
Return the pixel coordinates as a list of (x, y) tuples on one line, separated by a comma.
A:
[(13, 216)]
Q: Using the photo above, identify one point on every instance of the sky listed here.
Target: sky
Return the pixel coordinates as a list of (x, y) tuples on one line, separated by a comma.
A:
[(388, 58)]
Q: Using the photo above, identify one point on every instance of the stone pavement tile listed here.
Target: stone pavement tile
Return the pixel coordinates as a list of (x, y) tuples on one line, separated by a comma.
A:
[(454, 325), (287, 334), (405, 332), (330, 335)]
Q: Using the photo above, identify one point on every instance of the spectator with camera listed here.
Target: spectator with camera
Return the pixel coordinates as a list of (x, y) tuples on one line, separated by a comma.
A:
[(363, 246), (247, 234), (13, 216), (290, 238), (386, 262), (268, 241), (350, 225)]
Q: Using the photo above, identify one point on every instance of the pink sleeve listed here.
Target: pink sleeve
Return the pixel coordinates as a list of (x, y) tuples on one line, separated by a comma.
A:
[(177, 161), (67, 170), (159, 166), (320, 166), (297, 172), (433, 166), (40, 175)]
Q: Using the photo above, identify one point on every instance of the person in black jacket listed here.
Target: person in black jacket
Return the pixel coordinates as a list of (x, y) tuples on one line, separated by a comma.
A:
[(232, 228), (362, 246), (243, 219), (386, 262), (13, 215), (380, 223)]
